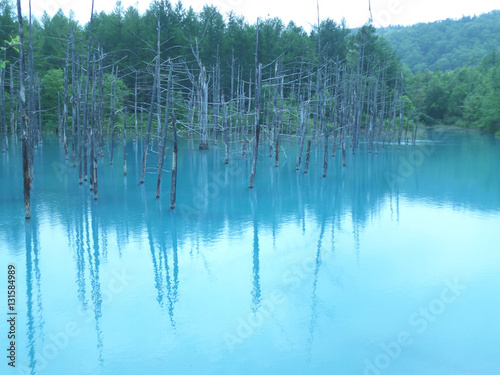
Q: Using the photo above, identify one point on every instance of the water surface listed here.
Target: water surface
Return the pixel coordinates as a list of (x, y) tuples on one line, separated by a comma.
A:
[(390, 265)]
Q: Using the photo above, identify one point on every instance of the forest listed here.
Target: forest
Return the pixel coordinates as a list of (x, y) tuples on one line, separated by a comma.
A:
[(454, 66), (450, 67), (448, 44)]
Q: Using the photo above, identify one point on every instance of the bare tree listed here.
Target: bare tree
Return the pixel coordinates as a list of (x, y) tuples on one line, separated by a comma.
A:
[(24, 120), (258, 85)]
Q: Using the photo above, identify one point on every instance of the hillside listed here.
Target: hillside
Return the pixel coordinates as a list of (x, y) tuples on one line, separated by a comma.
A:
[(448, 44)]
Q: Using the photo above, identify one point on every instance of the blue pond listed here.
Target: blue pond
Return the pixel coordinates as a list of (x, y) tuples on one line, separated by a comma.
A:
[(390, 265)]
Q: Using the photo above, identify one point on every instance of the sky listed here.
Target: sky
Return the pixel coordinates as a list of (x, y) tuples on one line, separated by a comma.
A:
[(302, 12)]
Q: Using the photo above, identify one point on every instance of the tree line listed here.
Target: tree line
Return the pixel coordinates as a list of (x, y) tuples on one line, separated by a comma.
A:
[(445, 45), (452, 69), (129, 40)]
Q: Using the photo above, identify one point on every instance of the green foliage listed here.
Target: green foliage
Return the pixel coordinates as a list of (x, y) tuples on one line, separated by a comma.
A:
[(467, 97), (8, 30), (446, 45), (13, 43), (52, 84), (120, 91), (129, 40)]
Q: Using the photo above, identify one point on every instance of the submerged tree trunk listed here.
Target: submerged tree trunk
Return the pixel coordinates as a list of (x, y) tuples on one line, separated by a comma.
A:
[(150, 120), (125, 142), (32, 128), (86, 98), (225, 130), (79, 121), (174, 165), (24, 122), (162, 141), (13, 123), (245, 128), (308, 154), (100, 105), (203, 98), (73, 97), (302, 134), (135, 108), (342, 141), (415, 125), (203, 82), (3, 123), (112, 116), (92, 126), (258, 85), (258, 82), (277, 151)]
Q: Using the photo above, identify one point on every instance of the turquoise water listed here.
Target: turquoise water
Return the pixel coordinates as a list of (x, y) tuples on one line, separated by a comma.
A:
[(388, 266)]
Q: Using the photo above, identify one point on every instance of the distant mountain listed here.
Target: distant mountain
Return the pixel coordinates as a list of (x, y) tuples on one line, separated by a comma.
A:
[(446, 45)]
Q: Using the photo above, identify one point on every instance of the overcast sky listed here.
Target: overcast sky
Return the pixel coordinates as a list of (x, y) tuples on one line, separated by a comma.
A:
[(302, 12)]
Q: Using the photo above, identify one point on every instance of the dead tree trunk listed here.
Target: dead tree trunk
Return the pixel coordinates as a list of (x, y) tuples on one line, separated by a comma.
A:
[(308, 155), (415, 125), (190, 115), (373, 116), (100, 109), (162, 142), (125, 141), (79, 121), (73, 96), (203, 95), (59, 116), (65, 111), (216, 98), (258, 85), (24, 122), (245, 131), (343, 120), (401, 120), (158, 87), (39, 95), (342, 136), (32, 118), (174, 165), (111, 97), (381, 117), (336, 109), (303, 126), (279, 125), (225, 130), (13, 122), (92, 126), (86, 98), (135, 107), (326, 130), (406, 130), (3, 123), (203, 83), (112, 115)]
